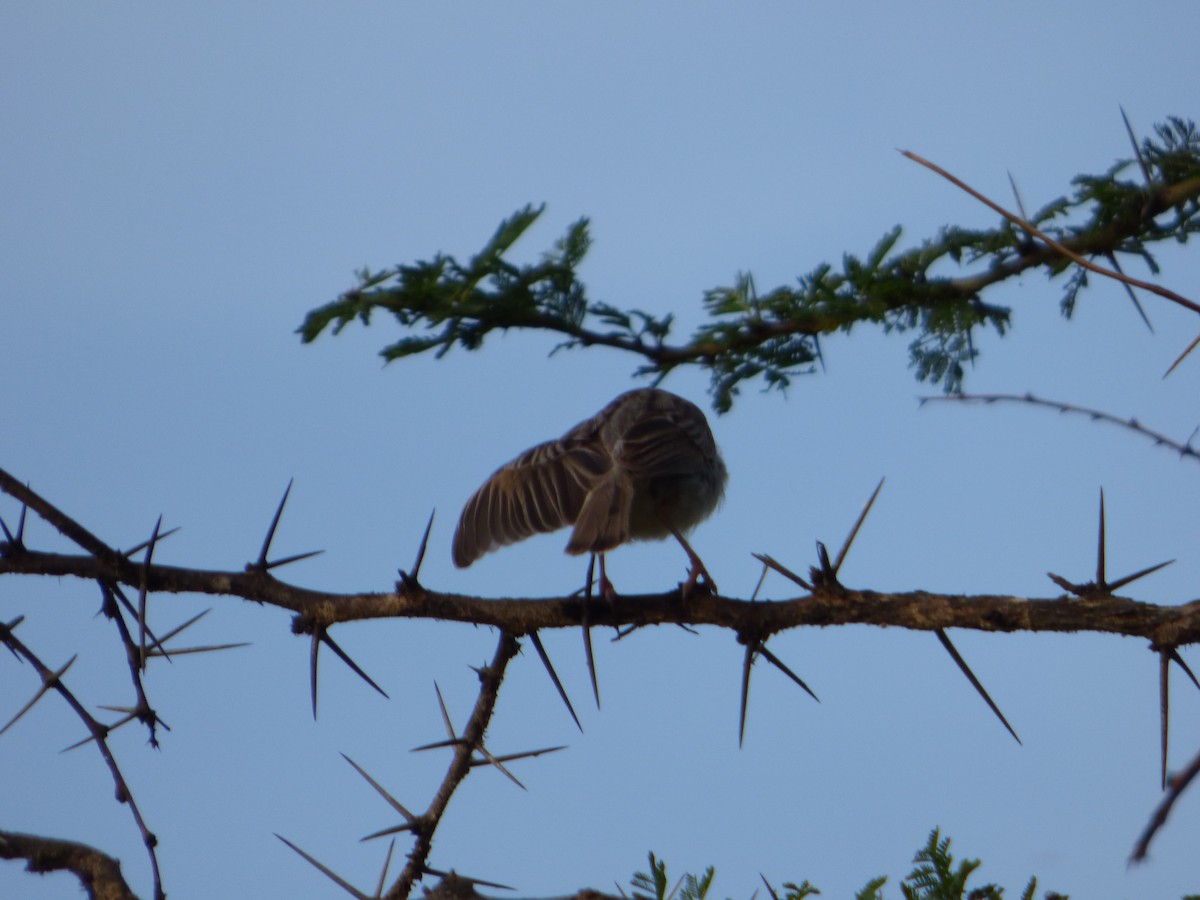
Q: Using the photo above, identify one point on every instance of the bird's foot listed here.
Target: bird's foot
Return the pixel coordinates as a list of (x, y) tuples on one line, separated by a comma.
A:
[(698, 580), (608, 593), (697, 573)]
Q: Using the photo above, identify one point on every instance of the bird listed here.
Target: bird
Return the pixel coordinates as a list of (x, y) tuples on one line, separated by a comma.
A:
[(646, 467)]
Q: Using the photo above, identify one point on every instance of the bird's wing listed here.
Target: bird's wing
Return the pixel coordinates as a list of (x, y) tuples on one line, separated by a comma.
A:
[(541, 490)]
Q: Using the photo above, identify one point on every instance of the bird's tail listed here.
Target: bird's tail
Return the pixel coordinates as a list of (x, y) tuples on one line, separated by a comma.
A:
[(603, 522)]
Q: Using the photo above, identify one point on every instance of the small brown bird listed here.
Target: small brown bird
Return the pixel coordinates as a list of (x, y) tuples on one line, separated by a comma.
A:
[(644, 467)]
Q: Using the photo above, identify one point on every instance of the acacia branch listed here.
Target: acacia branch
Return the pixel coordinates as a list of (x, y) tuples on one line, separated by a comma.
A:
[(443, 303), (63, 523), (1154, 205), (829, 603), (1176, 785), (1167, 625), (99, 734), (470, 740), (1184, 449), (98, 873)]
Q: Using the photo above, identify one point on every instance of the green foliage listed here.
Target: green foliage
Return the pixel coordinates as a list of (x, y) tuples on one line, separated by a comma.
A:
[(466, 301), (934, 291), (653, 886), (873, 890), (934, 877), (1172, 158), (798, 891)]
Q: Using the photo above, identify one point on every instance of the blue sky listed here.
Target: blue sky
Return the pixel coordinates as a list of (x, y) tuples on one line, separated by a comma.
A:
[(183, 182)]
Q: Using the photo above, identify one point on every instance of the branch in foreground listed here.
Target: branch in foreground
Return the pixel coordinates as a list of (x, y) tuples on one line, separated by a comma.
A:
[(99, 733), (471, 740), (98, 874), (1175, 787), (465, 746), (1165, 625), (828, 603)]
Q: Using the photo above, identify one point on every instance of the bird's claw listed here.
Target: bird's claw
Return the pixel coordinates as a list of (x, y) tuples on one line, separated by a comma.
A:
[(698, 579)]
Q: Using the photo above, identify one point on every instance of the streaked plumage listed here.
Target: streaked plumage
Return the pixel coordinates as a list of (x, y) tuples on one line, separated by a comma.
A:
[(644, 467)]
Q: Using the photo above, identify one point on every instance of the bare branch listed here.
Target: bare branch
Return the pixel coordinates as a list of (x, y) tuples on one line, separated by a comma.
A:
[(1185, 450), (1177, 784), (485, 704), (67, 526), (99, 874), (99, 734), (1175, 624)]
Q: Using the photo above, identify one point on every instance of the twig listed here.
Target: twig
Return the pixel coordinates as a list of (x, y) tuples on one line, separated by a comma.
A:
[(60, 520), (1097, 415), (1050, 242), (471, 738), (133, 656), (98, 732), (1176, 785)]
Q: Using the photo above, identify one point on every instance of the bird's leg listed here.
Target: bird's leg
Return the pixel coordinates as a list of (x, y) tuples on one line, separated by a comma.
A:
[(607, 591), (696, 570)]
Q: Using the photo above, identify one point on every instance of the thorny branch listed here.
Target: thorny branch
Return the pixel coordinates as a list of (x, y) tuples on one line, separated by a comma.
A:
[(99, 733), (1175, 787), (470, 740), (1184, 449), (916, 610), (828, 602)]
